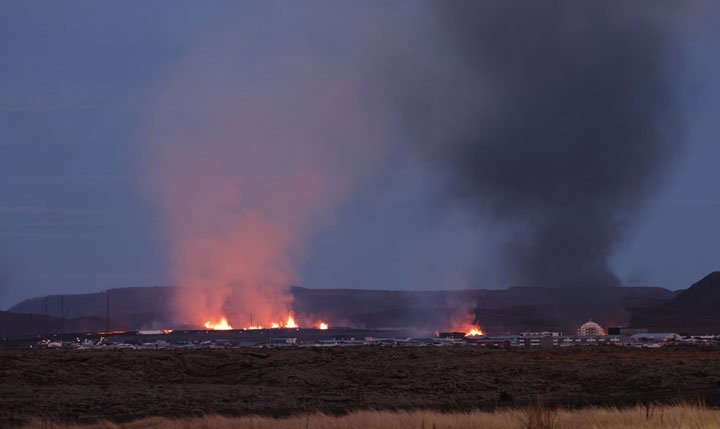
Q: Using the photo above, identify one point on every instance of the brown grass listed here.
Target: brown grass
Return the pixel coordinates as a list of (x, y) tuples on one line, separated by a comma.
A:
[(681, 416), (539, 417)]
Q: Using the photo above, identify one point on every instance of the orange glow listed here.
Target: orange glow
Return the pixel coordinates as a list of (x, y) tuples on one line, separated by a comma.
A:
[(291, 322), (242, 196), (474, 331), (464, 321), (252, 328), (323, 326), (222, 325)]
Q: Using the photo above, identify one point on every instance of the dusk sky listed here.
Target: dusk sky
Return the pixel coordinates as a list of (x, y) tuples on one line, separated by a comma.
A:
[(81, 86)]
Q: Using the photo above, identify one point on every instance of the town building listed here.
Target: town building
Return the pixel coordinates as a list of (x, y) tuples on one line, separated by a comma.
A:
[(590, 329), (621, 330)]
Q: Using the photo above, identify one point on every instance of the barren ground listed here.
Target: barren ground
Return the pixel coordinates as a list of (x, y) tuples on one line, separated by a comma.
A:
[(73, 385)]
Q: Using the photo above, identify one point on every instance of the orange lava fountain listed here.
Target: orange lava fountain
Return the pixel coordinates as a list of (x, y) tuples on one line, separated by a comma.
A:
[(474, 331), (291, 323), (464, 321), (222, 325)]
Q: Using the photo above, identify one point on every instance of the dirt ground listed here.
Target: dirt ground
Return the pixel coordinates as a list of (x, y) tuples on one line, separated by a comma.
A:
[(72, 385)]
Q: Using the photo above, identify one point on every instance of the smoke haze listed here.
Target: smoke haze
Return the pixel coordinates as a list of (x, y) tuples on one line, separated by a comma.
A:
[(564, 121), (555, 119), (256, 138)]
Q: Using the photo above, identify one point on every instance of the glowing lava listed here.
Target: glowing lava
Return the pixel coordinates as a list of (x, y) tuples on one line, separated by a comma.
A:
[(222, 325), (464, 320), (291, 323), (474, 331), (323, 326)]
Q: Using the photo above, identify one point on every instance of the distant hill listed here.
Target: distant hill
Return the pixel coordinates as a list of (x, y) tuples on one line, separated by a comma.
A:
[(17, 324), (506, 310), (130, 308), (695, 310), (499, 311)]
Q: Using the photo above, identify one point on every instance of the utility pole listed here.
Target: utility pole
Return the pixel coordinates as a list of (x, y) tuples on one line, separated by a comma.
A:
[(107, 312), (251, 319), (46, 317), (62, 314)]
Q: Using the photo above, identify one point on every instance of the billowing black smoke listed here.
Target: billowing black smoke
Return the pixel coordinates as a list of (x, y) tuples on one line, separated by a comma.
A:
[(571, 122)]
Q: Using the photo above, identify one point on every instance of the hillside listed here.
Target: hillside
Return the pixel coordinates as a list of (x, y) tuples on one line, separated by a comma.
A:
[(19, 324), (694, 310), (129, 308), (499, 311)]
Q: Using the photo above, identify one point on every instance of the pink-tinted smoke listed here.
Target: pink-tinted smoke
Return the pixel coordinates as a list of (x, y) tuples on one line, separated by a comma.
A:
[(250, 149)]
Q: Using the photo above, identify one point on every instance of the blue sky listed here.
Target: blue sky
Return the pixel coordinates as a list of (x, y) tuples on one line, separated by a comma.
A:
[(75, 83)]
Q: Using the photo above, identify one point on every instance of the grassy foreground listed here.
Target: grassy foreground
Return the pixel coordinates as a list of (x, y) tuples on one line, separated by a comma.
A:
[(675, 416), (118, 385)]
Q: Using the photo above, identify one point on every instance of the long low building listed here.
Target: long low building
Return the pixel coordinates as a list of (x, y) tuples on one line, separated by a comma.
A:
[(656, 337), (550, 340)]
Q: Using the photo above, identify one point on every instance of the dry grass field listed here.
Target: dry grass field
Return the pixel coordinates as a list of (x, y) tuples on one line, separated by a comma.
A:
[(670, 417), (130, 385)]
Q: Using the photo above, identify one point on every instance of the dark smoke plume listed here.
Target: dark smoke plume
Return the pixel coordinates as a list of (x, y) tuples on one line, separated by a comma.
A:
[(568, 123)]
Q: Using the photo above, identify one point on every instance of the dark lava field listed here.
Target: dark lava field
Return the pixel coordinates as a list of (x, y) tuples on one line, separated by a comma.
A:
[(75, 385)]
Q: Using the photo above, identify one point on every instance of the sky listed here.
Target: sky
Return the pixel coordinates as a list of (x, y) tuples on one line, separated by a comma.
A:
[(80, 82)]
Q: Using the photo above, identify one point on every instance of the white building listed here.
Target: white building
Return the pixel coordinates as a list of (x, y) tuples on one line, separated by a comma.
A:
[(590, 329)]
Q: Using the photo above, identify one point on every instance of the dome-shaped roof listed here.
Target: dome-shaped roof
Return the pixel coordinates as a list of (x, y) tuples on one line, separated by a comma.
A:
[(590, 328)]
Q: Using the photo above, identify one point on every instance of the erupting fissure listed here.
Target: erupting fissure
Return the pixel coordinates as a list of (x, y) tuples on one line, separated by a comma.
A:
[(466, 321), (222, 325), (474, 331), (289, 323)]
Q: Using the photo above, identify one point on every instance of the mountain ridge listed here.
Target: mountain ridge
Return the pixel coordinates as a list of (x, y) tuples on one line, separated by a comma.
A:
[(498, 310), (693, 310)]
